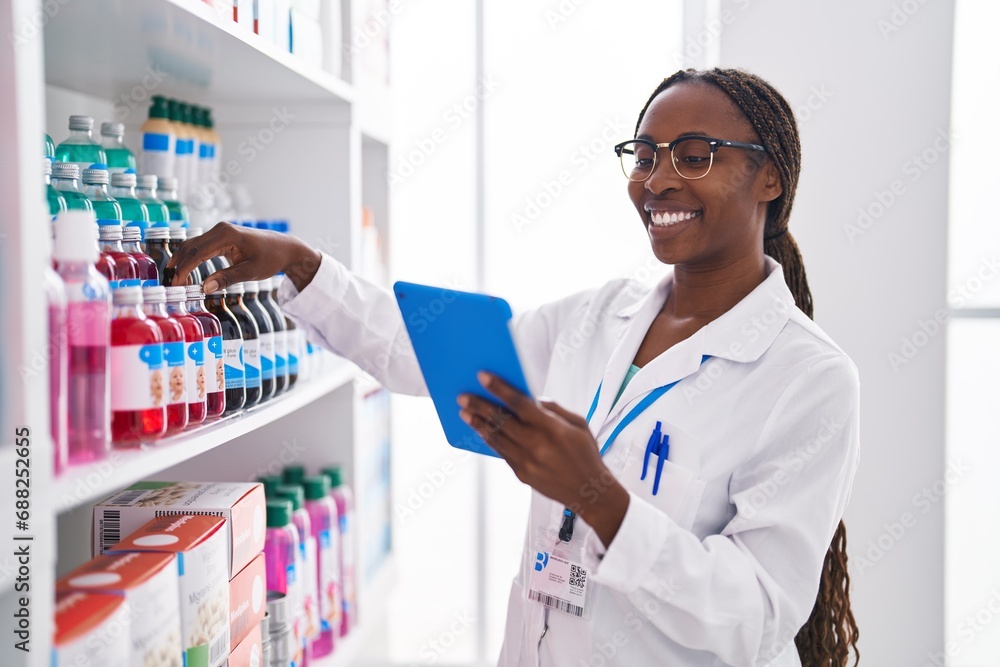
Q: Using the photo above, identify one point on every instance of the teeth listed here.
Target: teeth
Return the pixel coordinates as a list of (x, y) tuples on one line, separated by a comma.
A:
[(662, 218)]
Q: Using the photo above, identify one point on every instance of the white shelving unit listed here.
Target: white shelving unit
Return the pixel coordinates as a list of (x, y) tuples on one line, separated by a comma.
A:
[(312, 148)]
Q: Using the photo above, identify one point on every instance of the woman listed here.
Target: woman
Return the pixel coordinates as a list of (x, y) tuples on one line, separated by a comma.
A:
[(727, 420)]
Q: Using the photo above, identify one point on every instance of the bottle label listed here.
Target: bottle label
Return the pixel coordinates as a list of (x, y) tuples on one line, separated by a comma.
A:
[(138, 381), (152, 141), (280, 354), (266, 356), (251, 362), (173, 355), (194, 366), (293, 357), (233, 356), (157, 155), (215, 374), (184, 146), (329, 576)]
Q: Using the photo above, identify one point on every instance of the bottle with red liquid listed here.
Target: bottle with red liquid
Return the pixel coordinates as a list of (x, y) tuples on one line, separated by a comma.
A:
[(88, 312), (215, 366), (343, 498), (132, 244), (281, 544), (55, 297), (126, 266), (325, 527), (194, 353), (138, 387), (154, 307)]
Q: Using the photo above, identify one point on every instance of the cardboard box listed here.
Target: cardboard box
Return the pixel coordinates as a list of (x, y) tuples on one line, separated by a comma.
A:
[(199, 542), (149, 585), (247, 600), (249, 652), (241, 504), (91, 629)]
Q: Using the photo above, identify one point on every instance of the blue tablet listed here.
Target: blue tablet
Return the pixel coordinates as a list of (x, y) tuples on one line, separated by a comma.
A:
[(455, 335)]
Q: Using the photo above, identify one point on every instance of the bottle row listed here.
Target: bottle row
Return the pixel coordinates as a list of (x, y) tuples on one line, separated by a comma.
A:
[(180, 569), (131, 361)]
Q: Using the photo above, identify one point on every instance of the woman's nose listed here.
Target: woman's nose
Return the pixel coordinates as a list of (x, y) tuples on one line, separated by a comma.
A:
[(663, 177)]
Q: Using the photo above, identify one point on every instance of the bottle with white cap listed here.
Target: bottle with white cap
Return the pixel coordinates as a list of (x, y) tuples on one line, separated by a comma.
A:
[(167, 191), (131, 243), (146, 191), (293, 336), (215, 365), (88, 312), (119, 156), (134, 212), (251, 342), (126, 266), (95, 186), (138, 389), (265, 329), (80, 148), (58, 361), (194, 353), (56, 201), (154, 300), (66, 181)]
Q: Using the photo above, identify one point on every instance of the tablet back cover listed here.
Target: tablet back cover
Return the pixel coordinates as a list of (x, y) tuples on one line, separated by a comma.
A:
[(455, 335)]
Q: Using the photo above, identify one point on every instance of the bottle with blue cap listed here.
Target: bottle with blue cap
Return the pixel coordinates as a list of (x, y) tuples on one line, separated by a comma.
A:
[(80, 148), (120, 158), (66, 181), (95, 186), (146, 186)]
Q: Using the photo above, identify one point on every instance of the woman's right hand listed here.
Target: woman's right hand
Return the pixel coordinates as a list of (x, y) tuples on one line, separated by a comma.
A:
[(254, 254)]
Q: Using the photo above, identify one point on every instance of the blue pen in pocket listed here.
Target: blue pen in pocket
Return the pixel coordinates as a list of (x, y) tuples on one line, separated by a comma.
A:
[(658, 444)]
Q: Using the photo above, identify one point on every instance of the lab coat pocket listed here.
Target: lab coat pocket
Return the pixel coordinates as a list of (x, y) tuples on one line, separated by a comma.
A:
[(678, 495)]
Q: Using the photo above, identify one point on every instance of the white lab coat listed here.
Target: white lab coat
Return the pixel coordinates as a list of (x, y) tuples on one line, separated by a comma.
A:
[(722, 566)]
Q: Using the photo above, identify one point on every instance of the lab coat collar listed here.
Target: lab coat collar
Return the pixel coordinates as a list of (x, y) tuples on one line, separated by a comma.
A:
[(742, 334)]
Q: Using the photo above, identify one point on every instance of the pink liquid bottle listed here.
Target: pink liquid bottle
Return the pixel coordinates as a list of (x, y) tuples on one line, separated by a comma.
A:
[(126, 268), (154, 300), (58, 353), (326, 534), (132, 244), (306, 567), (281, 549), (88, 312), (344, 500), (215, 373), (194, 357), (138, 387)]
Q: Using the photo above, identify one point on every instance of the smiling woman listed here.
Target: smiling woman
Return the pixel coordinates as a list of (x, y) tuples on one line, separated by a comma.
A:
[(666, 527)]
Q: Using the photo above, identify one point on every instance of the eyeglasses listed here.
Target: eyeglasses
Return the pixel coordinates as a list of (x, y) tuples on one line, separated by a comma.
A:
[(692, 157)]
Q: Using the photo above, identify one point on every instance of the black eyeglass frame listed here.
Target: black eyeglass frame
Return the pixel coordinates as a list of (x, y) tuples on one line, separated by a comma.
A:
[(714, 145)]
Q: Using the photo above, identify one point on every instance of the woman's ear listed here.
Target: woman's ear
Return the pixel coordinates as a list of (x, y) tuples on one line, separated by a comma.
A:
[(770, 183)]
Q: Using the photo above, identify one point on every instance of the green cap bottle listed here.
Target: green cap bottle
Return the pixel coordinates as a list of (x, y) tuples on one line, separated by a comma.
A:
[(270, 482), (335, 474), (294, 474), (160, 107), (293, 494), (316, 487), (279, 513)]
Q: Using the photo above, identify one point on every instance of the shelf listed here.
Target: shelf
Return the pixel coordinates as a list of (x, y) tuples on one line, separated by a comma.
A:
[(111, 49), (374, 119), (80, 485), (376, 593)]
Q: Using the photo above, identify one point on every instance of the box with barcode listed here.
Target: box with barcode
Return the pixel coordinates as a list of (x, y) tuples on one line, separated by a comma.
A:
[(247, 600), (241, 504), (249, 651), (149, 585), (199, 542), (91, 629)]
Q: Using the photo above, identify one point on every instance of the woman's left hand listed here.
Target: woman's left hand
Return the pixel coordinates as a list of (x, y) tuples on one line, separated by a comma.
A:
[(551, 450)]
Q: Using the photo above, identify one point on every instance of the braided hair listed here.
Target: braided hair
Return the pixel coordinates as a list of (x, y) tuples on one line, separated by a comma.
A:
[(830, 634)]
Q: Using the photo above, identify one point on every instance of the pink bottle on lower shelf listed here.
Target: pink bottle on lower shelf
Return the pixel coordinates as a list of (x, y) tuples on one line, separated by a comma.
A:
[(281, 547), (326, 534), (344, 500), (308, 613), (55, 295)]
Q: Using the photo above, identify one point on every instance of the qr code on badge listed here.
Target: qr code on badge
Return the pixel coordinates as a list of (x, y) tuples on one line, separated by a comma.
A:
[(577, 576)]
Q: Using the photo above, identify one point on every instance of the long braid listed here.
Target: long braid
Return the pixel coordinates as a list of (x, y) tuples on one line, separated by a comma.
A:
[(827, 638)]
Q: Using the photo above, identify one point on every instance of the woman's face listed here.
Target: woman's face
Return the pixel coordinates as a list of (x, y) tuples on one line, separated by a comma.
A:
[(729, 204)]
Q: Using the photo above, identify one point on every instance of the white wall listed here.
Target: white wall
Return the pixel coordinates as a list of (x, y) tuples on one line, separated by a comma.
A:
[(878, 81)]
